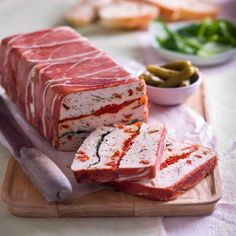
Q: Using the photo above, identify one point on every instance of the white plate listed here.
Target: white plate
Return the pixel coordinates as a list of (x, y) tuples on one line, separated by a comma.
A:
[(196, 60)]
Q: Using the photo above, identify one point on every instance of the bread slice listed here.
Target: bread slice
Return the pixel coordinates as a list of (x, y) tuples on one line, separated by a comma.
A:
[(127, 15), (85, 12), (183, 166), (197, 10), (174, 10), (169, 9), (122, 153)]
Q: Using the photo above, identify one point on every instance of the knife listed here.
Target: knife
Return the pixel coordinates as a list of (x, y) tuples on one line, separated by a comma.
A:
[(43, 172)]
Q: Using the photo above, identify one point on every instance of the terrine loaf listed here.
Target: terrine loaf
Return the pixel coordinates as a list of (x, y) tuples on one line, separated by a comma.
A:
[(121, 153), (66, 87), (183, 165)]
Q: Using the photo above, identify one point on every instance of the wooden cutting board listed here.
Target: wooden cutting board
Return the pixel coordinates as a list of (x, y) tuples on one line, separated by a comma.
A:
[(23, 199)]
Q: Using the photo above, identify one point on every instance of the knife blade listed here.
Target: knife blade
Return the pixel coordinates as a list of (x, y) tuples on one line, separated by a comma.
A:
[(43, 172)]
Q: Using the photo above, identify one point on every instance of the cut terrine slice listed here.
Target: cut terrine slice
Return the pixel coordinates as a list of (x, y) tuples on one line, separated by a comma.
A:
[(124, 152), (182, 167), (66, 87)]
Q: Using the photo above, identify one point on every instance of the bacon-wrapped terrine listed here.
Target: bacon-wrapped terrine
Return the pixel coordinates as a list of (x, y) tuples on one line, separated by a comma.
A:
[(121, 153), (183, 165), (66, 87)]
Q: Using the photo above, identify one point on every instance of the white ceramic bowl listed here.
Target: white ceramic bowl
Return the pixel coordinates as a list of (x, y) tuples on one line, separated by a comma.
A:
[(172, 96), (196, 60)]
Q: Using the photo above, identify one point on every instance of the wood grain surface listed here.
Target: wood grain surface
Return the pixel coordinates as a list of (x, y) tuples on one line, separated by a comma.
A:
[(24, 200)]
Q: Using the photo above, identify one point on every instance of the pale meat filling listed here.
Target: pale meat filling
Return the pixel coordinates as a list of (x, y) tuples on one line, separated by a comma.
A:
[(89, 147), (87, 102), (88, 123), (143, 152), (175, 172), (114, 142), (78, 132), (104, 148), (174, 148), (100, 147)]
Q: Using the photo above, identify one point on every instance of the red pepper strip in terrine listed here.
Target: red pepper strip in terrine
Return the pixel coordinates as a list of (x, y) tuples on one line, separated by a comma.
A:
[(124, 152), (182, 167), (62, 82)]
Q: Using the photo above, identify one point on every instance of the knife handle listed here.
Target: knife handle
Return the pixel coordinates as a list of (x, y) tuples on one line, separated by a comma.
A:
[(43, 172), (45, 175)]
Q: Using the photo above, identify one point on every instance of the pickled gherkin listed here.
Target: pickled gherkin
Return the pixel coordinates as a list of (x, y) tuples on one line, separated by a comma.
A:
[(163, 73), (177, 65), (150, 80), (171, 75), (184, 74)]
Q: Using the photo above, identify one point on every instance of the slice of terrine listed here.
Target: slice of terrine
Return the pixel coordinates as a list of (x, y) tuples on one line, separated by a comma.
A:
[(121, 153), (182, 167), (66, 87)]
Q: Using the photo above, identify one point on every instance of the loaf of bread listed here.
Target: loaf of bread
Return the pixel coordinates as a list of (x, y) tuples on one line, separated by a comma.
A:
[(80, 15), (174, 10), (137, 14), (85, 12), (168, 9), (127, 15)]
